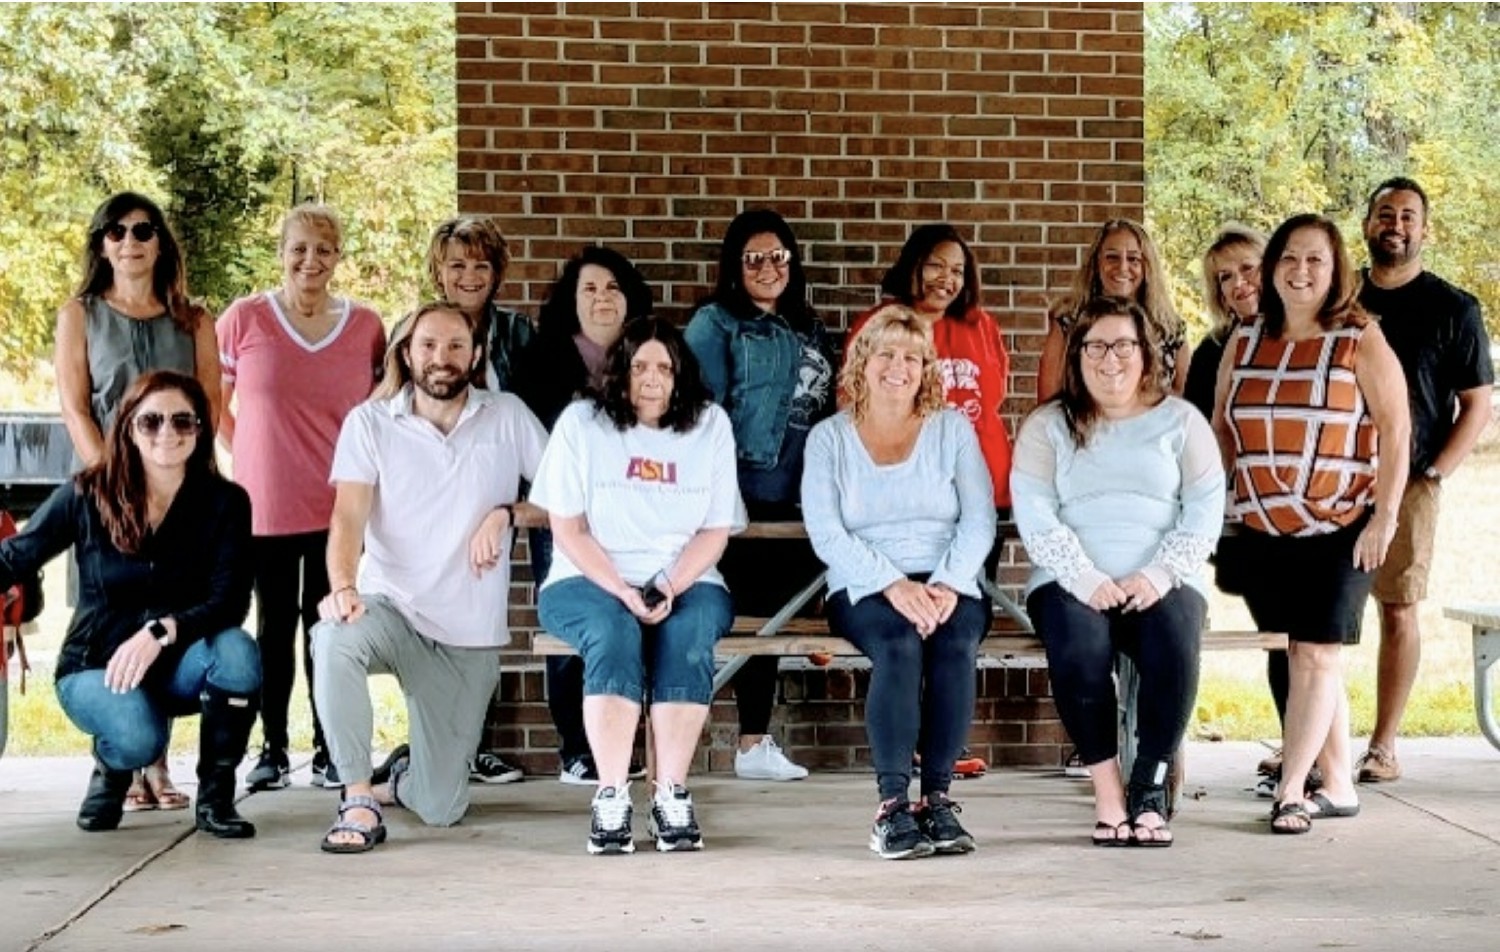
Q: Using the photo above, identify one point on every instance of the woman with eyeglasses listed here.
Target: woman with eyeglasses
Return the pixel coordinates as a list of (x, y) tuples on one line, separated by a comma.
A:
[(297, 359), (130, 314), (1122, 261), (1119, 498), (162, 542), (769, 364)]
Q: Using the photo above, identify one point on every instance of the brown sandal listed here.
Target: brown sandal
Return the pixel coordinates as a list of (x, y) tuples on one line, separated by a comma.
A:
[(163, 793)]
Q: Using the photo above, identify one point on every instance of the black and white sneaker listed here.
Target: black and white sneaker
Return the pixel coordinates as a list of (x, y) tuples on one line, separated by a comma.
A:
[(488, 767), (896, 834), (673, 824), (609, 826), (580, 771), (271, 772), (939, 824), (324, 773)]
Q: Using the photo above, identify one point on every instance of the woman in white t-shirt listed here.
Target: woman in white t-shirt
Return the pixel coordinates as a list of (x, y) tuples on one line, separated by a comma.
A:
[(639, 481)]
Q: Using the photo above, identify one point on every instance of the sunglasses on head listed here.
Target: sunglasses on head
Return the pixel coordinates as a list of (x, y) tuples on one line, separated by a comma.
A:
[(755, 259), (150, 424), (142, 231)]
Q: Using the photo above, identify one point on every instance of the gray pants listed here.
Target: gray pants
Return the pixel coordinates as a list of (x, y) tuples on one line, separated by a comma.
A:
[(448, 692)]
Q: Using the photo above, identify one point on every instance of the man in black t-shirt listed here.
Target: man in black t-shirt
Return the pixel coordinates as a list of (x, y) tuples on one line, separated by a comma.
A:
[(1438, 334)]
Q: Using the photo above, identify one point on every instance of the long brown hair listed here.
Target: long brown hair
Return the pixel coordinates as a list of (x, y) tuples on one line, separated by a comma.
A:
[(1341, 307), (117, 483), (168, 277), (1079, 407), (397, 372)]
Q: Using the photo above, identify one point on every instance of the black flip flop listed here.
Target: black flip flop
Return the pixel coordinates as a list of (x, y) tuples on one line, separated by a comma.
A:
[(1328, 810)]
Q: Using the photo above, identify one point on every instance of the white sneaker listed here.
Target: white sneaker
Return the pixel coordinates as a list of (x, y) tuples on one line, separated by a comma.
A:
[(765, 761)]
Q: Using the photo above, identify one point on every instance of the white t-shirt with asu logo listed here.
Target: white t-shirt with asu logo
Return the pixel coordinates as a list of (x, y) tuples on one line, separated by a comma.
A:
[(644, 491)]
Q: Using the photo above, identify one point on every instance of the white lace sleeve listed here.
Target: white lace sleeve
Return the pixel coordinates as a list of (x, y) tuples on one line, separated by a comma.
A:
[(1182, 554), (1185, 549)]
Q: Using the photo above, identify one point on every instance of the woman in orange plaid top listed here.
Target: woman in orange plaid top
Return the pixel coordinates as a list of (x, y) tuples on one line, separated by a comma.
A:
[(1312, 416)]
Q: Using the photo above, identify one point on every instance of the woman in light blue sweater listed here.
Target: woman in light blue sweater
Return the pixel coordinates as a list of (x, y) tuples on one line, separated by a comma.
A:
[(1119, 498), (899, 504)]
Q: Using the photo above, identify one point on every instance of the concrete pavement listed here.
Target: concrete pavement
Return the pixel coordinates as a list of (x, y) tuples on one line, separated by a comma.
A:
[(786, 866)]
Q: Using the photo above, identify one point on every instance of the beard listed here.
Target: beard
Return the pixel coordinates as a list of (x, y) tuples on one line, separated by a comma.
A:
[(1387, 258), (445, 389)]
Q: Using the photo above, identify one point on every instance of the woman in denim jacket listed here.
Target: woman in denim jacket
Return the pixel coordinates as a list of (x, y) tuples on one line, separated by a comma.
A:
[(768, 361)]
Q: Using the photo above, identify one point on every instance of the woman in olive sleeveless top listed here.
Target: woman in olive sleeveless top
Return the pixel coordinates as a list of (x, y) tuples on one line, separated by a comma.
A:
[(130, 315)]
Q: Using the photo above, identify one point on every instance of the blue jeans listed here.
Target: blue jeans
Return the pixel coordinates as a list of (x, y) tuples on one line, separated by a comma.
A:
[(621, 658), (130, 730), (921, 689)]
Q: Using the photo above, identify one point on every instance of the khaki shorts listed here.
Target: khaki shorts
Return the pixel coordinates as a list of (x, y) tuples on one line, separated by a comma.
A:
[(1402, 578)]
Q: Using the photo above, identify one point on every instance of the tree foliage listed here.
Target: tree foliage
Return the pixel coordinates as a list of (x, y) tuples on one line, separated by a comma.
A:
[(228, 114), (1255, 112)]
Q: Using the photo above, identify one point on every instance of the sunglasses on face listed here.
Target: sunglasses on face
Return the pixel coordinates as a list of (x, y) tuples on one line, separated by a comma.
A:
[(142, 231), (754, 260), (150, 424)]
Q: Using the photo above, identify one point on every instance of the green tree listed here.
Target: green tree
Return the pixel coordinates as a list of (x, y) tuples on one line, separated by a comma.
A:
[(1255, 112), (229, 114)]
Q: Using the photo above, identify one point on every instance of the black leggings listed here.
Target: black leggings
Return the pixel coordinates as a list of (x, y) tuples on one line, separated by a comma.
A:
[(291, 577), (1163, 641), (918, 686)]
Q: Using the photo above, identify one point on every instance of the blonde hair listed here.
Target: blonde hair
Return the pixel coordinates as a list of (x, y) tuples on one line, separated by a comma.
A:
[(1232, 235), (312, 215), (899, 323)]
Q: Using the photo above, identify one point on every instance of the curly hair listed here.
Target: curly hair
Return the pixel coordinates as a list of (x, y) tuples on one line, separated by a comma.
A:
[(117, 482), (689, 394), (1341, 308), (1080, 410), (891, 323)]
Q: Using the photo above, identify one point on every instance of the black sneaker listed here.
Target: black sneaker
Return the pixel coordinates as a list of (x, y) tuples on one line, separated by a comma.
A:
[(673, 824), (609, 826), (896, 834), (271, 771), (938, 822), (580, 771), (324, 774), (488, 767)]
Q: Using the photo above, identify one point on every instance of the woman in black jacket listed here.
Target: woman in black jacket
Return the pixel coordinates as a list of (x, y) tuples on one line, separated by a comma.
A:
[(162, 542)]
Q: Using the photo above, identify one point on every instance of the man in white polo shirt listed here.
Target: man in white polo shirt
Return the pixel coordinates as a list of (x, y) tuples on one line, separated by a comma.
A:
[(426, 474)]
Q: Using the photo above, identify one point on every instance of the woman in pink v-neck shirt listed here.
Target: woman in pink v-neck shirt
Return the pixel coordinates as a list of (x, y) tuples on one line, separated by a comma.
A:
[(296, 360)]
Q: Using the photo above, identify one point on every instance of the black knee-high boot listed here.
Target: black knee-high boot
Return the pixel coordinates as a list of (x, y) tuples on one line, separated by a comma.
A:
[(104, 803), (227, 719)]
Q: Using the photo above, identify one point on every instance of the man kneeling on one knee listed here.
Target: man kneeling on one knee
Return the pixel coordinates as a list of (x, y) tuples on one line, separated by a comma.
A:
[(426, 476)]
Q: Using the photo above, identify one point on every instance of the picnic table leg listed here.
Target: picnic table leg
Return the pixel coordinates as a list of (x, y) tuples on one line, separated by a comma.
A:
[(1486, 653), (772, 626)]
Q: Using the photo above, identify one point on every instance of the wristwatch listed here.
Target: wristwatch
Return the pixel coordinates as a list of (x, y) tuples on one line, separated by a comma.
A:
[(159, 632), (1434, 474)]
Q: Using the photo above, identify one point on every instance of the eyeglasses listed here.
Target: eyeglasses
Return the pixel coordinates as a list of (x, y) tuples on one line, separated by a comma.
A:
[(150, 424), (755, 260), (1124, 348), (142, 231)]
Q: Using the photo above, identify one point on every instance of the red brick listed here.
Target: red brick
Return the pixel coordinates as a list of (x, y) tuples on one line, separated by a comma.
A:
[(1067, 20), (1028, 18), (703, 121), (714, 33), (563, 118), (559, 72), (546, 26), (736, 55), (941, 14), (1079, 149), (582, 144), (701, 76), (809, 56), (590, 52), (760, 33), (469, 25), (1034, 40), (909, 81), (632, 30), (599, 96), (1059, 106), (1048, 85), (632, 75), (508, 48)]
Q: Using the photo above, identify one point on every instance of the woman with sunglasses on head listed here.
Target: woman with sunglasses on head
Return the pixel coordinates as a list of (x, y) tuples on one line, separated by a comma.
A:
[(769, 364), (1119, 495), (130, 314), (162, 542), (296, 360), (1122, 261)]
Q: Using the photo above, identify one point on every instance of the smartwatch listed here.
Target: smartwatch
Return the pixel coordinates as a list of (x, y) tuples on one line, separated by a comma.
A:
[(159, 632)]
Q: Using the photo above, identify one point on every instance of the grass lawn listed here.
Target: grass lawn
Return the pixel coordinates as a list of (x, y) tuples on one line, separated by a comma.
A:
[(1233, 701)]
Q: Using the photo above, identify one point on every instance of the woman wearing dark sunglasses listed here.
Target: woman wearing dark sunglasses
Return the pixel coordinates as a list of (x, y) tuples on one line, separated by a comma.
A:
[(162, 542), (131, 314)]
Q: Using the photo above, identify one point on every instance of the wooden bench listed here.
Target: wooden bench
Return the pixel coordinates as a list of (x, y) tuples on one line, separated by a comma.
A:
[(1485, 622)]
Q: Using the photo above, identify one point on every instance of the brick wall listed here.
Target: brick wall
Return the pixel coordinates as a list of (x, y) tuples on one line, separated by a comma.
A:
[(648, 126)]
